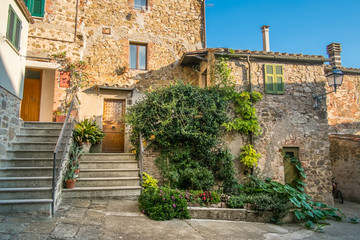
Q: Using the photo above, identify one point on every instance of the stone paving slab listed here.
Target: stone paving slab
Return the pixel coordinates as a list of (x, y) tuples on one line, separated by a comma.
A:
[(107, 219)]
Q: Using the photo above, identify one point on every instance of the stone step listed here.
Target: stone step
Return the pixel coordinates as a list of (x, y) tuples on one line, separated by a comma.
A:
[(105, 164), (91, 192), (43, 125), (26, 205), (33, 146), (36, 138), (29, 162), (22, 182), (45, 131), (26, 171), (25, 193), (107, 182), (108, 156), (104, 173), (31, 153)]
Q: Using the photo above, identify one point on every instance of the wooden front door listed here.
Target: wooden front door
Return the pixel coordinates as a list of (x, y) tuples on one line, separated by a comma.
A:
[(113, 126), (30, 104)]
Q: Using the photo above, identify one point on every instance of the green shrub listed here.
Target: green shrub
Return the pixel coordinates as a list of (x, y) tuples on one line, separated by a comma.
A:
[(186, 124), (237, 201), (149, 181), (163, 203), (88, 131)]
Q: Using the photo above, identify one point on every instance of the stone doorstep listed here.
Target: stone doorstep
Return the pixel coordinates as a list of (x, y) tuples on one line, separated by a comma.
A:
[(233, 214)]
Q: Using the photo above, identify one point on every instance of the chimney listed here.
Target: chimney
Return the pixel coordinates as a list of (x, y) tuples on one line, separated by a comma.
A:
[(265, 35), (334, 50)]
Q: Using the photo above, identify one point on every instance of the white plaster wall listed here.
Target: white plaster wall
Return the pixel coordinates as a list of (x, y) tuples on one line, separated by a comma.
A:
[(47, 95), (12, 63)]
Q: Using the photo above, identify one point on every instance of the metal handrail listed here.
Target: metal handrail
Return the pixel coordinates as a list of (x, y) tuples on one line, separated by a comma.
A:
[(141, 159), (55, 153)]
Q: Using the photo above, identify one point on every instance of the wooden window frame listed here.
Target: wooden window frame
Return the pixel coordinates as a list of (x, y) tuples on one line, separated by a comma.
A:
[(12, 39), (30, 6), (275, 76), (141, 8), (137, 55)]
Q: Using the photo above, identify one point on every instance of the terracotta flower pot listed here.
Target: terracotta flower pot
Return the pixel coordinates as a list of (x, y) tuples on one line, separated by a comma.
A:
[(70, 183)]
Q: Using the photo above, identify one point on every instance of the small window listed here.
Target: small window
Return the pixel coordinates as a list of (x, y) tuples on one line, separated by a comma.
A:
[(140, 4), (13, 33), (36, 7), (291, 172), (138, 54), (274, 79)]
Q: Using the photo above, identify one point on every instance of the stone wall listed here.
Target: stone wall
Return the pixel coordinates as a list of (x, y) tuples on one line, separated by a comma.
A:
[(287, 120), (345, 165), (9, 119), (344, 106)]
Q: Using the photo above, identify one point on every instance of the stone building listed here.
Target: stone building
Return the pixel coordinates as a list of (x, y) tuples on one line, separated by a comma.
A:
[(128, 46), (344, 129), (131, 46), (13, 45)]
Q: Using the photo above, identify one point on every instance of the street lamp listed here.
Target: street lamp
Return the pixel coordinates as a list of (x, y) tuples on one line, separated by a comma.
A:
[(334, 79)]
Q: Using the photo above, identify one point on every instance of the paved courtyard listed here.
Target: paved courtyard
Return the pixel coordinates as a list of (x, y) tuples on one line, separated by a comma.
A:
[(120, 219)]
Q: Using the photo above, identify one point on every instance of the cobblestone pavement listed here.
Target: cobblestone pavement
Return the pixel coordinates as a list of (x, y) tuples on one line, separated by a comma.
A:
[(120, 219)]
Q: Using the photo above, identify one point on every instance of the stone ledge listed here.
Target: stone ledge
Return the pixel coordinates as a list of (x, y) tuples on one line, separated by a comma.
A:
[(232, 214)]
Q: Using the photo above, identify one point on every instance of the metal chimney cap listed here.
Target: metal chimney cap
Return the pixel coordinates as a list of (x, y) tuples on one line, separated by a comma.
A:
[(265, 27)]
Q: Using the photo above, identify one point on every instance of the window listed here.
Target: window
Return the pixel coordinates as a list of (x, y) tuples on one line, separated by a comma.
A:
[(138, 56), (13, 28), (140, 4), (291, 172), (274, 79), (36, 7)]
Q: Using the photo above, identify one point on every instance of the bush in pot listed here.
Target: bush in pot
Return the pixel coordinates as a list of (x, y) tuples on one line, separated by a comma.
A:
[(70, 177), (86, 133)]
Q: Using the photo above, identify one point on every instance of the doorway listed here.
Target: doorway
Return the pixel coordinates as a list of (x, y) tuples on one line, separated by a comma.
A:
[(113, 126), (291, 172), (30, 104)]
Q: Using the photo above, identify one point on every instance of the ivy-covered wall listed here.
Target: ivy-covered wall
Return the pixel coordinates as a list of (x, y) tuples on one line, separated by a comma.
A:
[(289, 120)]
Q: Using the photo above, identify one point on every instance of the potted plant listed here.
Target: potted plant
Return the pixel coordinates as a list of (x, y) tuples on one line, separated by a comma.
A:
[(86, 133), (76, 153), (70, 178)]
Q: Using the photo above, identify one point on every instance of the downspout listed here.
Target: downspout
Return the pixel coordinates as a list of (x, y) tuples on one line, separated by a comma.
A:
[(204, 12), (76, 19), (251, 135)]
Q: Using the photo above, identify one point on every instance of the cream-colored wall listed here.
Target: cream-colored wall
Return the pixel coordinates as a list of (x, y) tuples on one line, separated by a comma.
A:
[(92, 106), (47, 95), (12, 63)]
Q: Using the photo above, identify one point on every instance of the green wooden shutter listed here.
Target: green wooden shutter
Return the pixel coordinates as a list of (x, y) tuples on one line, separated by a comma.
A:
[(10, 26), (38, 8), (274, 79), (17, 33)]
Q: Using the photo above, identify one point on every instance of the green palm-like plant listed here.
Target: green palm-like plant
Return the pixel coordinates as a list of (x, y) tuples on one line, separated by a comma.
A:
[(88, 131)]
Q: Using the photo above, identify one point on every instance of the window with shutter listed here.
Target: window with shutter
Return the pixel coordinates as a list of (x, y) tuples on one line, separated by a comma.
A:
[(274, 79), (36, 7), (13, 33)]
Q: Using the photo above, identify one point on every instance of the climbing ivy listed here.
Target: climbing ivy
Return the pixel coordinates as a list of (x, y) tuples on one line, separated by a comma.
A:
[(186, 123), (248, 156)]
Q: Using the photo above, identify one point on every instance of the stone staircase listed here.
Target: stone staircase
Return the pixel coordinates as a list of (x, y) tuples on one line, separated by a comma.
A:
[(114, 175), (26, 171)]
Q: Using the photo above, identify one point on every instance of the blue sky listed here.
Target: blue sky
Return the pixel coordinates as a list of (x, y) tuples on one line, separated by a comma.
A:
[(296, 26)]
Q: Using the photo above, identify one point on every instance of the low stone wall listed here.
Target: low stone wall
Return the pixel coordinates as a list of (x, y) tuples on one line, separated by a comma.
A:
[(345, 164), (231, 214), (9, 119)]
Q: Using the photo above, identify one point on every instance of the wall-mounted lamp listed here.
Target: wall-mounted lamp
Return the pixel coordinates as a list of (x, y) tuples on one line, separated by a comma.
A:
[(334, 79)]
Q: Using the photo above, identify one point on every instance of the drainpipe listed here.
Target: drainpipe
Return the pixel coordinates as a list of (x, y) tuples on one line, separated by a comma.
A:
[(204, 7), (251, 135)]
